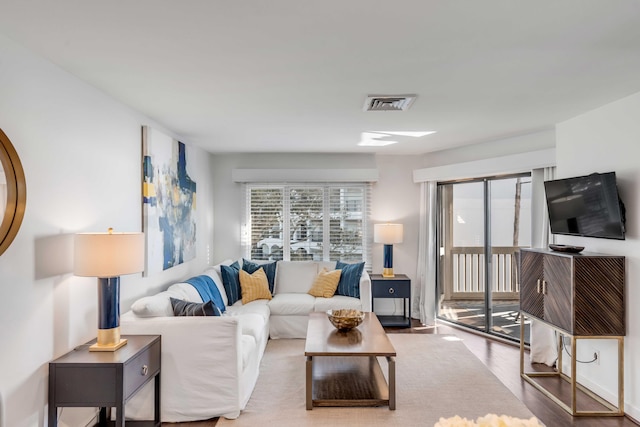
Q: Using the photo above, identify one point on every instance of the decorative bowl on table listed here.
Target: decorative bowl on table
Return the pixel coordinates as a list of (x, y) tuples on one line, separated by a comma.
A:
[(345, 319)]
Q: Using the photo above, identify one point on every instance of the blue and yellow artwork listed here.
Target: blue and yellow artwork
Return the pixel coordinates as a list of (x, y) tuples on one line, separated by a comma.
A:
[(168, 202)]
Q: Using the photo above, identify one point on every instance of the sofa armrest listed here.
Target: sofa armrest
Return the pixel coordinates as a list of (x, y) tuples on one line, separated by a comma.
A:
[(365, 291), (193, 363)]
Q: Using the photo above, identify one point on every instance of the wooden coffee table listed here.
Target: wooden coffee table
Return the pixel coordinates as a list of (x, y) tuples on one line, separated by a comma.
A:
[(342, 367)]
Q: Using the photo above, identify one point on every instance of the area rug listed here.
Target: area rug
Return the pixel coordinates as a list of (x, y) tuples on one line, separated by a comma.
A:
[(436, 376)]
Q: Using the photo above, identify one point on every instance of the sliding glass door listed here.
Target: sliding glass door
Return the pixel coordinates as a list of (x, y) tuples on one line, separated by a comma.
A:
[(482, 224)]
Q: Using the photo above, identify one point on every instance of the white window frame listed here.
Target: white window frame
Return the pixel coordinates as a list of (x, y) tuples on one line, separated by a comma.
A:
[(326, 186)]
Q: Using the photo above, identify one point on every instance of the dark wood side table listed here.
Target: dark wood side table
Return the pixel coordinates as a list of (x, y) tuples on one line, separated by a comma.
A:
[(82, 378), (398, 286)]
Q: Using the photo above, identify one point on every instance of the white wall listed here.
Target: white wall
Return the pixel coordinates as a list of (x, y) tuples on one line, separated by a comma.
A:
[(603, 140), (491, 149), (81, 153), (395, 198), (229, 195)]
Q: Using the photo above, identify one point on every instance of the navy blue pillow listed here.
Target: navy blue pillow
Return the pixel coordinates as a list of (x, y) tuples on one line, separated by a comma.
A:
[(349, 284), (231, 282), (186, 308), (269, 269)]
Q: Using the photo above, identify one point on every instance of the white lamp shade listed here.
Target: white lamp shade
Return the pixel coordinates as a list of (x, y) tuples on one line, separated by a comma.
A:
[(108, 254), (387, 233)]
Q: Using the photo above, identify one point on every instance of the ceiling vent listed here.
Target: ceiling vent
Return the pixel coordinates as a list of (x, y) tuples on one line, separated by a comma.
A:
[(388, 102)]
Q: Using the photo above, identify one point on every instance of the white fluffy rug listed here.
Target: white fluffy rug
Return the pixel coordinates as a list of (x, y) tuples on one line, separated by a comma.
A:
[(436, 376)]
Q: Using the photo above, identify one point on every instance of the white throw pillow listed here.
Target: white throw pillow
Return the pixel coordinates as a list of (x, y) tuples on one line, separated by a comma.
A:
[(295, 276), (185, 291), (157, 305)]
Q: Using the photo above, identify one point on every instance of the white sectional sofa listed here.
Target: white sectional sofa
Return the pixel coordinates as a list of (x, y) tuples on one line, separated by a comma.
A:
[(210, 364)]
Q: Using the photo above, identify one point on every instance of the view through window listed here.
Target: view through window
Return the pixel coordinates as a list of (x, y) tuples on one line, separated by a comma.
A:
[(307, 222)]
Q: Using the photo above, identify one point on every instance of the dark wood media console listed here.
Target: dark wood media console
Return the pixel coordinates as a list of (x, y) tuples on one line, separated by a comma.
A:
[(580, 296)]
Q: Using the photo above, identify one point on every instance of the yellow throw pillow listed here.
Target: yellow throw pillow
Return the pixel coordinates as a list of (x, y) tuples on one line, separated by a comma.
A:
[(254, 286), (326, 283)]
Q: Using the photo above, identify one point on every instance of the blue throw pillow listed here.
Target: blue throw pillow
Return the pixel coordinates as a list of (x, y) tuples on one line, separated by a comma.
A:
[(349, 284), (269, 269), (231, 282), (186, 308)]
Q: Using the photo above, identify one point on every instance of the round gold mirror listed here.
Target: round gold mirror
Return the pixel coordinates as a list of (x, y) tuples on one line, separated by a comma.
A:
[(13, 192)]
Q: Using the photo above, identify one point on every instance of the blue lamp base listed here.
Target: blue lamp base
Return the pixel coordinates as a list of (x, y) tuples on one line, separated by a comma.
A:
[(108, 315), (387, 271)]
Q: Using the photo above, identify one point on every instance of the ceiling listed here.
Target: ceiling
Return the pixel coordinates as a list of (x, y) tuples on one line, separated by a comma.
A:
[(293, 75)]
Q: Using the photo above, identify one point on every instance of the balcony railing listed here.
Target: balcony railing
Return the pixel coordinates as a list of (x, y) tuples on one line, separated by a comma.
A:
[(464, 277)]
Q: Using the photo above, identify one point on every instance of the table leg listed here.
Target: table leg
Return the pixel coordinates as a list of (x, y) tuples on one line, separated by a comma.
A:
[(309, 385), (102, 417), (120, 415), (392, 382), (156, 403), (53, 414)]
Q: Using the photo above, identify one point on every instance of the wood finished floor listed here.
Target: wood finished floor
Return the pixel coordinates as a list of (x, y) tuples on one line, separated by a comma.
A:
[(503, 360)]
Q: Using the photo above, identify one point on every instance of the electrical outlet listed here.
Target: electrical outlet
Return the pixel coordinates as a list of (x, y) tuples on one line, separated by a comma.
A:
[(596, 356)]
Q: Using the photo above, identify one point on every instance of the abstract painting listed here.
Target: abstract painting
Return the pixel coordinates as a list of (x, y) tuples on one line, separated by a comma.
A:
[(168, 201)]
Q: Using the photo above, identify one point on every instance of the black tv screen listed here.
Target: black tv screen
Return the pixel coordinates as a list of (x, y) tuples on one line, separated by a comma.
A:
[(586, 206)]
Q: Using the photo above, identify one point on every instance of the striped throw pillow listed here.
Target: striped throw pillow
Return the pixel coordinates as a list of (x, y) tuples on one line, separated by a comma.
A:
[(349, 284), (186, 308), (268, 267), (254, 286), (326, 283), (231, 283)]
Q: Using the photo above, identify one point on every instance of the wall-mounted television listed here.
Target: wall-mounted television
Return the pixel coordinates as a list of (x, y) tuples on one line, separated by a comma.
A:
[(586, 206)]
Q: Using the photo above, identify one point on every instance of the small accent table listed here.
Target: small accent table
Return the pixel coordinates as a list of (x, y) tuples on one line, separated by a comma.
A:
[(393, 287), (82, 378)]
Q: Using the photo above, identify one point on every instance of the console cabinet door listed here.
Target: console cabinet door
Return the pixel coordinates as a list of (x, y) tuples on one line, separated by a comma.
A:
[(558, 291), (599, 306), (531, 298)]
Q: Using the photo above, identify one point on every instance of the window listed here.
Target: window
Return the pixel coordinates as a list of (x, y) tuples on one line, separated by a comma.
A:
[(307, 222)]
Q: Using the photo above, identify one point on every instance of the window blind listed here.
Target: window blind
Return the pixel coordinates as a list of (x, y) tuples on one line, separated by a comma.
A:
[(308, 221)]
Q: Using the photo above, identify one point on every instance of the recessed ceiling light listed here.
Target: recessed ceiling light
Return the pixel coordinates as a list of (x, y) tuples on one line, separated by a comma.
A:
[(407, 133), (379, 138), (374, 139)]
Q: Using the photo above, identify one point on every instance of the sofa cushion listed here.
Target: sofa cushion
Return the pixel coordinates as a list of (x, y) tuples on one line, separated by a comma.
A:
[(249, 345), (159, 305), (291, 304), (231, 282), (259, 306), (186, 308), (337, 302), (254, 286), (153, 306), (185, 291), (350, 279), (268, 267), (295, 276), (252, 324), (329, 265), (325, 284)]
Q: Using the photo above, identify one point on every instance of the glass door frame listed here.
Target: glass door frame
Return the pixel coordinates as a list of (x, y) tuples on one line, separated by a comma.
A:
[(487, 249)]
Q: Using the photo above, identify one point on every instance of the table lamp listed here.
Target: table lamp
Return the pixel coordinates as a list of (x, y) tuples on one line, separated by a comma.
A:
[(387, 234), (107, 256)]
